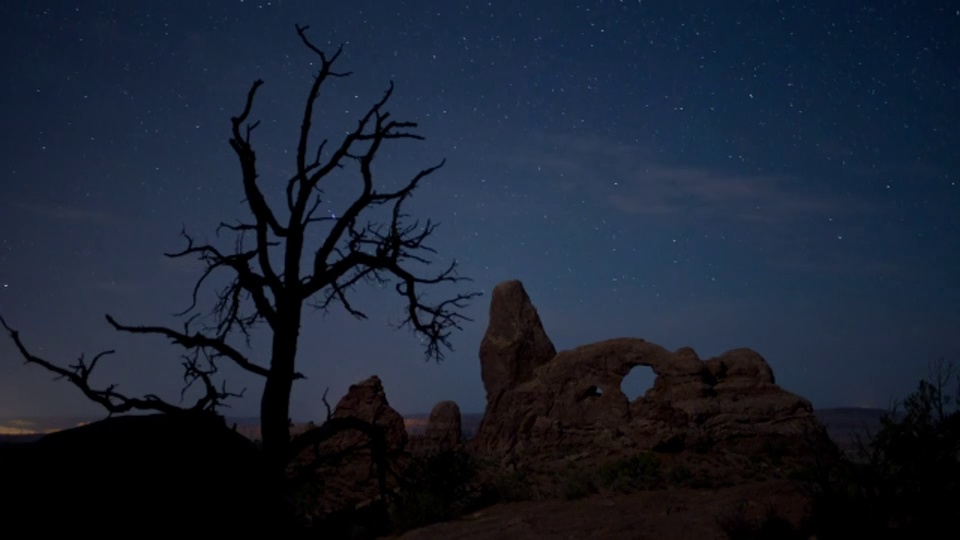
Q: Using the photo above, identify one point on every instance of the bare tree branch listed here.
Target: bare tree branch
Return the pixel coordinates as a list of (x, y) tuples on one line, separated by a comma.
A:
[(197, 340), (193, 372), (258, 205), (327, 403), (246, 280), (79, 375)]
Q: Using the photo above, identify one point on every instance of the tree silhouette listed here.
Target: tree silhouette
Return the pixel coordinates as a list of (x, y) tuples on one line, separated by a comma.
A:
[(272, 282), (904, 480)]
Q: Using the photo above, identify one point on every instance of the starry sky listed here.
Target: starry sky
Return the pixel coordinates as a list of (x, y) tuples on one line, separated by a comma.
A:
[(777, 175)]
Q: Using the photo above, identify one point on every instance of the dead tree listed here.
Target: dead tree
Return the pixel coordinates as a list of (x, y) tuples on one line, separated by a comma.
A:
[(355, 249)]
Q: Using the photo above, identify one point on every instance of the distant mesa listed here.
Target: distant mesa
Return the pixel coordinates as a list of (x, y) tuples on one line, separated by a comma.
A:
[(36, 426)]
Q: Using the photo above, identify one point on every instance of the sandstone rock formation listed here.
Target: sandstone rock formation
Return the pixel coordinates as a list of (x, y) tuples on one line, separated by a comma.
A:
[(444, 430), (340, 471), (515, 343), (542, 404), (514, 346), (367, 401)]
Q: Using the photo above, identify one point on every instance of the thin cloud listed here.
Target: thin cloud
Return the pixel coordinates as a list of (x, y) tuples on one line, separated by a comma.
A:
[(664, 190), (69, 214), (632, 180)]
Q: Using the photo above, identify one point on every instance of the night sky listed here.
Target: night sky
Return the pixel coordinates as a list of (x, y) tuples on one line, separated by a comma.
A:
[(783, 176)]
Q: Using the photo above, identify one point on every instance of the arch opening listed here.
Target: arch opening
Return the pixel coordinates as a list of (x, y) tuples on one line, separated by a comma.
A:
[(637, 381), (592, 392)]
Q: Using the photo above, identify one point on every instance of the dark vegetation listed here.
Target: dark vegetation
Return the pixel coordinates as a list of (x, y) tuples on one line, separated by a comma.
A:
[(442, 486), (903, 481), (639, 472)]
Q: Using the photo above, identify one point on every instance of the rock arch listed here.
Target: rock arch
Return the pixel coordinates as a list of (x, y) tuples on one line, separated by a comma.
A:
[(540, 401)]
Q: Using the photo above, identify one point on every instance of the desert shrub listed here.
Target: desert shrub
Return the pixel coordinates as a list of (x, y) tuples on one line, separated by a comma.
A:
[(577, 483), (638, 472), (418, 509), (905, 480), (303, 494), (441, 486), (509, 484)]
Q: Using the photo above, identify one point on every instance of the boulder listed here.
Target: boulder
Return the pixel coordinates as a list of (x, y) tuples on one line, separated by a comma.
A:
[(444, 430)]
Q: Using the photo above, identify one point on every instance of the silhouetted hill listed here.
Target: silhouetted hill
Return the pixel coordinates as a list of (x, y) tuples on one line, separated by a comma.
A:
[(137, 474), (6, 440)]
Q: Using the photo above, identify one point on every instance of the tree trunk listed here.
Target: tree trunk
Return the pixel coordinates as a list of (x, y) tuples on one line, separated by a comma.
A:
[(275, 403), (275, 421)]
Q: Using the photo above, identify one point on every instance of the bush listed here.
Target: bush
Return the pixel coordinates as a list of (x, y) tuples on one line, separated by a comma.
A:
[(905, 480), (441, 486), (635, 473), (511, 484), (577, 483), (418, 509)]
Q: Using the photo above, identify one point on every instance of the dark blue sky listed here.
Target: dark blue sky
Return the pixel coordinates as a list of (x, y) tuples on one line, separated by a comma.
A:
[(776, 175)]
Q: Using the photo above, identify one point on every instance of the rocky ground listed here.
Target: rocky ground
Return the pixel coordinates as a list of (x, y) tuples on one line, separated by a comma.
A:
[(658, 514)]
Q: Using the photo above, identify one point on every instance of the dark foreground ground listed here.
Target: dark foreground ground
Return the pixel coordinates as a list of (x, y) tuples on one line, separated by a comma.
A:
[(666, 514)]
